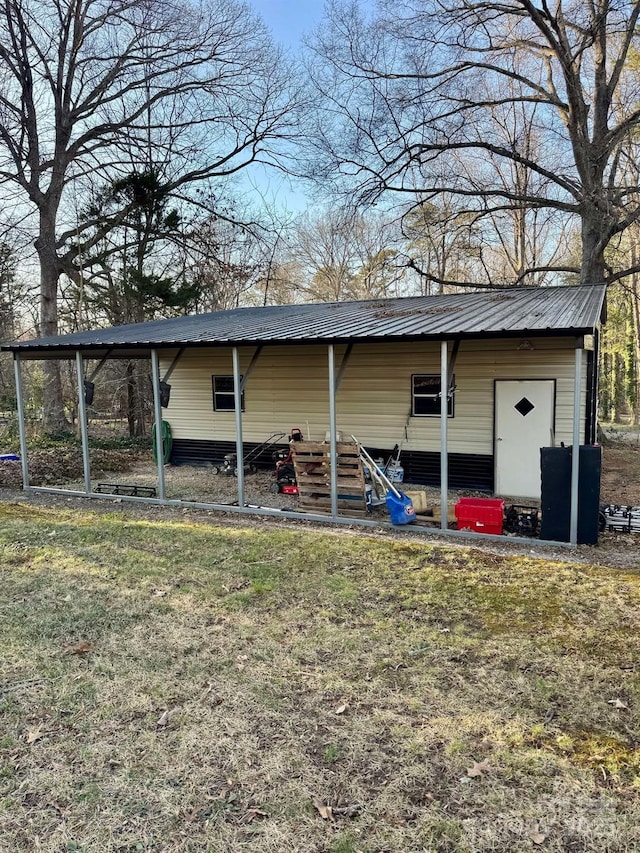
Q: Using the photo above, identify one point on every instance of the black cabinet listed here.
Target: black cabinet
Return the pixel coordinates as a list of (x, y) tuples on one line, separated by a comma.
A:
[(555, 472)]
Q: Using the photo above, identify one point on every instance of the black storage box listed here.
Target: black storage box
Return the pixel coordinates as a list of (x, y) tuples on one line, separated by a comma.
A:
[(555, 471)]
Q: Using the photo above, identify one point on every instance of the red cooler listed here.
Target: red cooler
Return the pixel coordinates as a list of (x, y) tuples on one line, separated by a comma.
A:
[(483, 515)]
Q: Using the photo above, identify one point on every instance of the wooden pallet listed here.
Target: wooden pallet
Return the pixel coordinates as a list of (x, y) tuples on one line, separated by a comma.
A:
[(312, 464)]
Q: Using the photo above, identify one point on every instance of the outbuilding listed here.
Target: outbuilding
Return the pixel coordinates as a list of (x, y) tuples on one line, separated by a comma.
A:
[(469, 385)]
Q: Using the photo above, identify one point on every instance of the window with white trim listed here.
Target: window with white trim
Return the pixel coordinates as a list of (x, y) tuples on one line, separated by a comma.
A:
[(425, 395), (223, 394)]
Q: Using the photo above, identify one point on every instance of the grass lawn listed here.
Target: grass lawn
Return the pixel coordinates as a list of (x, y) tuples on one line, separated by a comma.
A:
[(179, 686)]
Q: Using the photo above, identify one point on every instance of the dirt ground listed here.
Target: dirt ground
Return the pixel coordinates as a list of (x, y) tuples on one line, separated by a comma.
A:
[(621, 474), (620, 482)]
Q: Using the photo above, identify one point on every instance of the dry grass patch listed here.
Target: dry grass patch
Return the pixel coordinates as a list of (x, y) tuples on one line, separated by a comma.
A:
[(184, 687)]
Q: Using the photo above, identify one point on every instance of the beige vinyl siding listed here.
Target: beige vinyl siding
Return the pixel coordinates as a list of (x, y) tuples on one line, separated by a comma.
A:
[(288, 387)]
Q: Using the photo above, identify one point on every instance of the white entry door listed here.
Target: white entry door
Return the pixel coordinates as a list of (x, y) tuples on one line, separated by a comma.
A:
[(524, 424)]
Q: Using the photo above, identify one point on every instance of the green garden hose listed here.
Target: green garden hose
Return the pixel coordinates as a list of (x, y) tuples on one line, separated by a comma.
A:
[(167, 442)]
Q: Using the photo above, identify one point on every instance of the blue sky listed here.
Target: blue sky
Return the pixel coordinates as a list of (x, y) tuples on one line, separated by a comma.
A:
[(288, 20)]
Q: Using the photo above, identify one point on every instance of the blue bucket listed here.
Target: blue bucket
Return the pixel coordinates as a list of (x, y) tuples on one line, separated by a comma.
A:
[(400, 508)]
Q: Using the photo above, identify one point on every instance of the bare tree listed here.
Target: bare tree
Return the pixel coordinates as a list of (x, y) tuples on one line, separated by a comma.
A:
[(11, 292), (525, 241), (226, 263), (411, 95), (81, 82), (444, 244), (343, 256), (379, 272), (16, 297), (324, 249)]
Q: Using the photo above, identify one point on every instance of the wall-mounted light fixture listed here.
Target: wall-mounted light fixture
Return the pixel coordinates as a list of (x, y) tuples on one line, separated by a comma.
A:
[(525, 345)]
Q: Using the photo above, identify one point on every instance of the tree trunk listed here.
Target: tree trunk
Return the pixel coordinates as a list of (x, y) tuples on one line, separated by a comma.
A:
[(141, 387), (53, 415), (605, 386), (136, 399), (618, 388), (635, 311), (593, 267), (131, 388)]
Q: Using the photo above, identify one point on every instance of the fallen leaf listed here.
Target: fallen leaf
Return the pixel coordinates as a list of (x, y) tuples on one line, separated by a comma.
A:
[(347, 811), (81, 648), (618, 703), (536, 835), (341, 709), (325, 812), (478, 768), (34, 734), (166, 717), (252, 814)]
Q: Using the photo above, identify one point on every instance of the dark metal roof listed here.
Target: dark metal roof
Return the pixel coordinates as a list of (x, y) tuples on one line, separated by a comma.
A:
[(489, 313)]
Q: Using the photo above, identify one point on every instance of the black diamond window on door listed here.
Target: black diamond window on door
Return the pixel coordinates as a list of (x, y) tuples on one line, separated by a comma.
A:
[(524, 406)]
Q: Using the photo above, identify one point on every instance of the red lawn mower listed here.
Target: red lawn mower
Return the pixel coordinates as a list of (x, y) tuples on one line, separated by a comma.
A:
[(285, 475)]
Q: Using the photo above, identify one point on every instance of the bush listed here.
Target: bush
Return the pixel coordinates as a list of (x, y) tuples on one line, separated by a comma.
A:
[(9, 434)]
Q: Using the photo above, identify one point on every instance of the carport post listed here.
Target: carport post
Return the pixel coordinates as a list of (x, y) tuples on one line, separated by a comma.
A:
[(82, 417), (444, 410), (237, 405), (575, 453), (21, 422), (333, 450), (157, 411)]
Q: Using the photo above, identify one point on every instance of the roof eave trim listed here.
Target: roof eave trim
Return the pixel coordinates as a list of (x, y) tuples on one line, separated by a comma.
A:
[(44, 350)]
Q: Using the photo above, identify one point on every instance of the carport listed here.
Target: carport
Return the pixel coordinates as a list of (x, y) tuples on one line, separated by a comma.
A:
[(522, 317)]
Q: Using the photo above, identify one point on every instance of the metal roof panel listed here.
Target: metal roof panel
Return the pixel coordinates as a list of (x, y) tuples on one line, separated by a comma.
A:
[(486, 313)]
